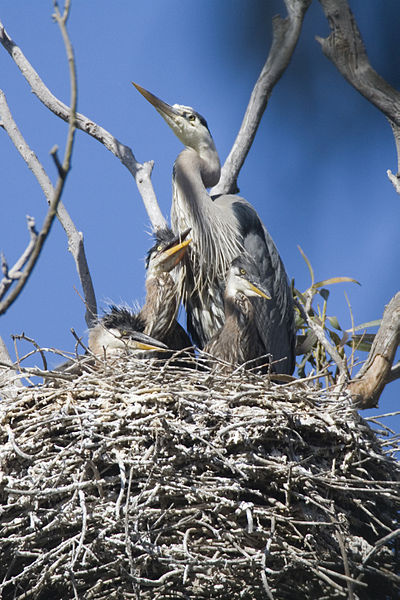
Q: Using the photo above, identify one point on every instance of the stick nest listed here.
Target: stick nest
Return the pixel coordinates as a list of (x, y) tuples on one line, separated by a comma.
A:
[(135, 480)]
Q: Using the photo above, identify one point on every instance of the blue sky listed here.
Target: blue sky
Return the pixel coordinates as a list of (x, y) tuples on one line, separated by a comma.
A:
[(316, 172)]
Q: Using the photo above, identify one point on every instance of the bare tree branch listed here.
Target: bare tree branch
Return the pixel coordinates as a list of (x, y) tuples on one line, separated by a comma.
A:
[(141, 172), (285, 35), (9, 374), (345, 48), (52, 211), (377, 371), (75, 237), (13, 274)]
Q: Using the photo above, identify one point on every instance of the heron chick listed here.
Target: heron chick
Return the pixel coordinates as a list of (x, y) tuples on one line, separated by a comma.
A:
[(160, 309), (238, 341), (119, 332), (154, 327), (222, 227)]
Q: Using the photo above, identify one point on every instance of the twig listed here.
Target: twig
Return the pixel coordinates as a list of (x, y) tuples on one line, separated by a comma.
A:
[(13, 274), (52, 211), (141, 172), (75, 237)]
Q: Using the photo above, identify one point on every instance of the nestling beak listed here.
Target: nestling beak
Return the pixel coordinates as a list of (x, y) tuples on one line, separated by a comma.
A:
[(172, 256), (136, 340)]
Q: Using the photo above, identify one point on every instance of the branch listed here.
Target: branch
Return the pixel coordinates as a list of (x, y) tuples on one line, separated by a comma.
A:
[(9, 375), (345, 48), (75, 237), (141, 172), (285, 35), (313, 322), (13, 274), (52, 211), (377, 371)]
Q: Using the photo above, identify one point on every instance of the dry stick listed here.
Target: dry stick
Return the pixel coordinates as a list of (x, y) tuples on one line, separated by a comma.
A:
[(369, 383), (11, 275), (345, 48), (52, 211), (141, 172), (285, 35), (75, 237)]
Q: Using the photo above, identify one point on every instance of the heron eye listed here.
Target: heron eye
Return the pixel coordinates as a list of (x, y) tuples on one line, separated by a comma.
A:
[(192, 117), (159, 248), (242, 271)]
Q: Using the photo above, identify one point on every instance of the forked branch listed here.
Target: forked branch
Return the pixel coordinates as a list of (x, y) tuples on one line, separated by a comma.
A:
[(141, 172), (55, 196), (345, 48)]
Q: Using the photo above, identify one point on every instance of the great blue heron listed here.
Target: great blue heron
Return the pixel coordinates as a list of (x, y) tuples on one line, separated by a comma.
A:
[(119, 332), (155, 324), (222, 227), (238, 341), (162, 296)]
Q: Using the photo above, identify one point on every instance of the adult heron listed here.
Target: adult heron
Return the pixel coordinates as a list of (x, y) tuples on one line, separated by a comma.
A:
[(239, 341), (222, 227), (156, 322)]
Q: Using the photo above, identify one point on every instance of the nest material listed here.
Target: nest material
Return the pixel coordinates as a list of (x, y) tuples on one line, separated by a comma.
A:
[(151, 482)]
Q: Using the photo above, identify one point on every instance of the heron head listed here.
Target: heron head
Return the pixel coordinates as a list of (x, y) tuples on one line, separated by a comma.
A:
[(119, 331), (243, 276), (187, 124), (167, 252)]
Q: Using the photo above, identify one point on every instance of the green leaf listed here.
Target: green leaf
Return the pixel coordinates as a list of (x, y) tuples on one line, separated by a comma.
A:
[(375, 323), (364, 346), (299, 295), (334, 322), (334, 337), (335, 280), (324, 293), (308, 264)]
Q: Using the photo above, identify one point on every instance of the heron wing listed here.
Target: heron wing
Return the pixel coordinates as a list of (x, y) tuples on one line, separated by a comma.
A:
[(274, 318)]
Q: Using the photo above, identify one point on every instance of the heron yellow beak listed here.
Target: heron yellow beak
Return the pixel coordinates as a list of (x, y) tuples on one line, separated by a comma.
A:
[(259, 292), (177, 252), (142, 346)]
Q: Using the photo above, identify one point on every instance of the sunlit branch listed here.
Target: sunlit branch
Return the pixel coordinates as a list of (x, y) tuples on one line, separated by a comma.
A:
[(285, 35), (141, 172)]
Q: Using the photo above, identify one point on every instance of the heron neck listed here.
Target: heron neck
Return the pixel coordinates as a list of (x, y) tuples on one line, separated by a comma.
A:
[(200, 167), (161, 305)]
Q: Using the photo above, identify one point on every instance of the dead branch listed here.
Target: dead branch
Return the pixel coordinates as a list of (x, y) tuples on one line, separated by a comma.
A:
[(141, 172), (75, 237), (13, 274), (345, 48), (285, 35), (369, 383), (53, 205)]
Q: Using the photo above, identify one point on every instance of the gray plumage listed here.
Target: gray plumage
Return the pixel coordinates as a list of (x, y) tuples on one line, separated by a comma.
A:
[(156, 322), (222, 227), (162, 295), (238, 341)]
